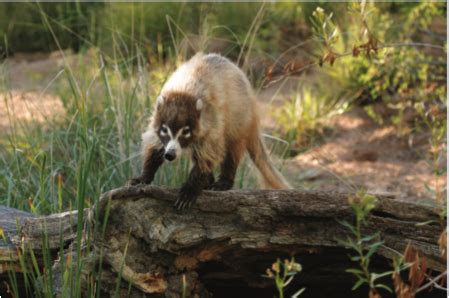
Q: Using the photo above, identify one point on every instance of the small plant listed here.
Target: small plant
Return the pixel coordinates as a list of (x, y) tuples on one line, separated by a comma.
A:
[(283, 273), (364, 246), (327, 33), (301, 119)]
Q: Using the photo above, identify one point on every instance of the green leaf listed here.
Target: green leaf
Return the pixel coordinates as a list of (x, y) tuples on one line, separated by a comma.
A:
[(373, 248), (349, 244), (358, 284), (349, 226), (369, 237), (383, 287), (375, 276), (402, 267), (354, 271)]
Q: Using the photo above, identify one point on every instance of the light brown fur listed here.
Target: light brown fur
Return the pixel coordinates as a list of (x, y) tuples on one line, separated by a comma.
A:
[(229, 122)]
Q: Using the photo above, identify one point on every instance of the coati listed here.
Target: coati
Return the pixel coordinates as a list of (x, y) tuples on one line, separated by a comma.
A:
[(207, 109)]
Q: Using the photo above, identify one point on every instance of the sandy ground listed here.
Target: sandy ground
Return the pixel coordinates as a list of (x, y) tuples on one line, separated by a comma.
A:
[(357, 154), (362, 154), (21, 107)]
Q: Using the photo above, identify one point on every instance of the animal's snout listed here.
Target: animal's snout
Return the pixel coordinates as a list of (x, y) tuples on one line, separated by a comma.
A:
[(170, 154)]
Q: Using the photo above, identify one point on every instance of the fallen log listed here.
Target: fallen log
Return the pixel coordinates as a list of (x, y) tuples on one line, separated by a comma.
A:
[(224, 243)]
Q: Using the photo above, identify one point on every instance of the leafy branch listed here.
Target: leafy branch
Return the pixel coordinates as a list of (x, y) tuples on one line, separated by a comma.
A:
[(327, 34)]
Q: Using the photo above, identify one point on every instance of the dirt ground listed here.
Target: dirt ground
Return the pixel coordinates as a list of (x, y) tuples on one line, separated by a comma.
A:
[(26, 98), (357, 154), (362, 154)]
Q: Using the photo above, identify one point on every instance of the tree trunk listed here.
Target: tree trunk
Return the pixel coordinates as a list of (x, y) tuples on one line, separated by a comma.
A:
[(224, 243)]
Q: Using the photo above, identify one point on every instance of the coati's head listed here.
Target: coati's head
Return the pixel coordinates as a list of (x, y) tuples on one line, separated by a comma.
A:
[(177, 122)]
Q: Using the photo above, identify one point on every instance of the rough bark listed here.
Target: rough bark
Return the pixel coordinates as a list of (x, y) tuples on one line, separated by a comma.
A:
[(227, 239)]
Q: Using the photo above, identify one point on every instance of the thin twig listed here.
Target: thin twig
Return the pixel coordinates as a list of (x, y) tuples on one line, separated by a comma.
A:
[(284, 76), (433, 282), (412, 44), (384, 46)]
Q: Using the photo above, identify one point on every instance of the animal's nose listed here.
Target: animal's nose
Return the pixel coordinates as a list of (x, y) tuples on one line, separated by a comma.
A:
[(170, 155)]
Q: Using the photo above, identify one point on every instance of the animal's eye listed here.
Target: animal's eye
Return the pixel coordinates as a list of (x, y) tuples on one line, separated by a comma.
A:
[(186, 131), (163, 130)]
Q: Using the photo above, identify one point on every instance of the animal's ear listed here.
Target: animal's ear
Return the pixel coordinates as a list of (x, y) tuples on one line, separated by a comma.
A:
[(159, 101), (199, 104)]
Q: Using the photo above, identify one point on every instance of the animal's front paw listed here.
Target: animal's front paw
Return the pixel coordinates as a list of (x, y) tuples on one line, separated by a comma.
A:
[(221, 185), (187, 196)]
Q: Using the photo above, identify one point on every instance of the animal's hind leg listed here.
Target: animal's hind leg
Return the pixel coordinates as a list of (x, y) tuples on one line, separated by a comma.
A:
[(234, 153)]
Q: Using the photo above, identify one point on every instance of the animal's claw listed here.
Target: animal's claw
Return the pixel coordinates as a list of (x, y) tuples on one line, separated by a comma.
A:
[(187, 196)]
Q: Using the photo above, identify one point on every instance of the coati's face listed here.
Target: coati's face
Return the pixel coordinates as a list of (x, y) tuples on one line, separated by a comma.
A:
[(177, 123)]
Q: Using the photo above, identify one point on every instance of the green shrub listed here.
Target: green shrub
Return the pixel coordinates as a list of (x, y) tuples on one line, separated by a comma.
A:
[(407, 69)]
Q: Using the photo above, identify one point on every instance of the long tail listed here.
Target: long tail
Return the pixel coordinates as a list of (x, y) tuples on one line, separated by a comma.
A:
[(271, 176)]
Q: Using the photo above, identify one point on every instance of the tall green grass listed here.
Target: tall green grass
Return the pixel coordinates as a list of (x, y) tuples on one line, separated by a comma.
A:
[(66, 161)]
